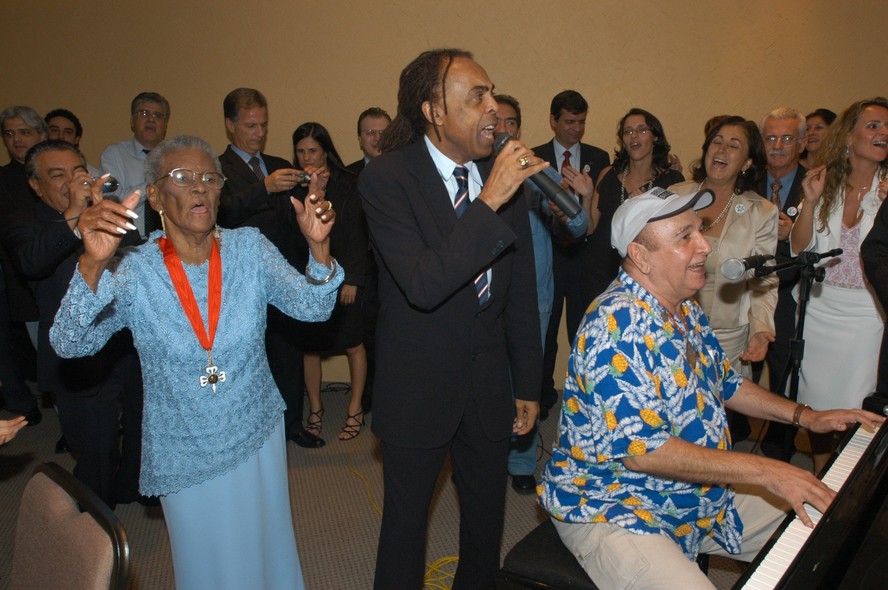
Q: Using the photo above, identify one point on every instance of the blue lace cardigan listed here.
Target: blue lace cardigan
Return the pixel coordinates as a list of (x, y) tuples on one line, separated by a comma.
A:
[(190, 432)]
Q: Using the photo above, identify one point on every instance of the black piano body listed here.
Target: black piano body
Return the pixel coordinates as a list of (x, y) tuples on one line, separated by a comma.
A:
[(848, 548)]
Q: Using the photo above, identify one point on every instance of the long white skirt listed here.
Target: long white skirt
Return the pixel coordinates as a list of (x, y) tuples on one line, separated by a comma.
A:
[(843, 334), (236, 531)]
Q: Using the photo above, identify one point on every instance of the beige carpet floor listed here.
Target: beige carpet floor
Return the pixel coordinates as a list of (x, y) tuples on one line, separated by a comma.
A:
[(337, 498)]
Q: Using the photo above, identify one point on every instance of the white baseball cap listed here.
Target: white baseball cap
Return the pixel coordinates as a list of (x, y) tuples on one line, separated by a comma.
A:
[(654, 205)]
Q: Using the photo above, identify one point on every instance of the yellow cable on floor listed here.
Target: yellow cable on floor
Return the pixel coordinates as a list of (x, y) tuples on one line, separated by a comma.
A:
[(438, 579)]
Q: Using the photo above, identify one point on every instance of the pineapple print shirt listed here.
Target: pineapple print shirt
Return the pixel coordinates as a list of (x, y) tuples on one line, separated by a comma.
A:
[(637, 376)]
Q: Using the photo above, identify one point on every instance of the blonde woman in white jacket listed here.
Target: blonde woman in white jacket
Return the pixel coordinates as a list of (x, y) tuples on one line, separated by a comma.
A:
[(844, 323)]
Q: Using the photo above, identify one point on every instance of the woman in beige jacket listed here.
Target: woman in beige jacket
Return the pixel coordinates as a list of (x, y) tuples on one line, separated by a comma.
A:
[(739, 223)]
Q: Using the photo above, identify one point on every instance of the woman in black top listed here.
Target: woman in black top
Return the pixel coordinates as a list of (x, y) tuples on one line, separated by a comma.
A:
[(641, 163), (314, 152)]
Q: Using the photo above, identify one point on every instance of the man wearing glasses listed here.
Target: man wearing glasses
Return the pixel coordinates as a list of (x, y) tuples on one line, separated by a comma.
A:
[(371, 125), (783, 131), (149, 116)]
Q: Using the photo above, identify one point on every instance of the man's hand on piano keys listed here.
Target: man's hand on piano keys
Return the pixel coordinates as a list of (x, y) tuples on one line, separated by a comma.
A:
[(800, 487), (797, 486), (838, 420)]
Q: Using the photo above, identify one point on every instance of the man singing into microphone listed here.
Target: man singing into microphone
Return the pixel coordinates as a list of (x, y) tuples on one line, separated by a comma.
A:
[(457, 328)]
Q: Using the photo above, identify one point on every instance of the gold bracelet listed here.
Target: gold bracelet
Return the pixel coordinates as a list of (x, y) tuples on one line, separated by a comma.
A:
[(313, 281), (797, 415)]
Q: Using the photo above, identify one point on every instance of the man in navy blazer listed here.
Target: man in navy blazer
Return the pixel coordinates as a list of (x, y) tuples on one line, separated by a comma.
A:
[(257, 194), (783, 131), (449, 355), (570, 258)]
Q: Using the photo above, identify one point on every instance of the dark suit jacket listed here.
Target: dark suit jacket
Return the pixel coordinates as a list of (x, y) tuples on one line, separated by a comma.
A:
[(596, 158), (356, 167), (45, 250), (348, 238), (436, 345), (16, 194), (787, 278), (874, 253), (245, 202)]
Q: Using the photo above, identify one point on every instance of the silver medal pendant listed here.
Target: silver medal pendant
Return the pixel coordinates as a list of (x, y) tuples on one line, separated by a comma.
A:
[(213, 376)]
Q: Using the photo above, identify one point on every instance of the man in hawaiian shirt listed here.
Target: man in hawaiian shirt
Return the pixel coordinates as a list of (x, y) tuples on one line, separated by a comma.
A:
[(642, 476)]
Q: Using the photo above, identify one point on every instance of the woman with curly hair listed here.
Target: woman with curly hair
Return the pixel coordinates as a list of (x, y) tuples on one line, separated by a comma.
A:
[(641, 163), (844, 323)]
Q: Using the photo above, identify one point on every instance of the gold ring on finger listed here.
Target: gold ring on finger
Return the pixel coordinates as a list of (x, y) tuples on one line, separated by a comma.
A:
[(524, 161)]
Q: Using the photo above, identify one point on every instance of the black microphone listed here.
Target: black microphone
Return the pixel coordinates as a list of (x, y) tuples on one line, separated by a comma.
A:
[(733, 268), (810, 257), (544, 182)]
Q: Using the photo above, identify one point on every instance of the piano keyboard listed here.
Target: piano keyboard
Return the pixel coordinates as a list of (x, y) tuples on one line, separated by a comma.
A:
[(778, 559)]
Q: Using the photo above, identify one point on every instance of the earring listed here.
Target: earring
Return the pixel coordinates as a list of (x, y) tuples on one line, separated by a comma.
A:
[(847, 152), (162, 223)]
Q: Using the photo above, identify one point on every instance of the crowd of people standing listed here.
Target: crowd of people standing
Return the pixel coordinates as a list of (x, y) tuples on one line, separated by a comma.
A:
[(446, 293)]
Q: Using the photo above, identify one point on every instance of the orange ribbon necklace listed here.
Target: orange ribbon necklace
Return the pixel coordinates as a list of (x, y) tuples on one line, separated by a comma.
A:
[(189, 303)]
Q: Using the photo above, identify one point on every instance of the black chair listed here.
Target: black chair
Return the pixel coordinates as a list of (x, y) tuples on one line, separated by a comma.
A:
[(66, 537), (541, 561)]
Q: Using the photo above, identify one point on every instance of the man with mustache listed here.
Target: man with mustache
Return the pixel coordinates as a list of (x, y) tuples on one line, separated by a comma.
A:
[(783, 131)]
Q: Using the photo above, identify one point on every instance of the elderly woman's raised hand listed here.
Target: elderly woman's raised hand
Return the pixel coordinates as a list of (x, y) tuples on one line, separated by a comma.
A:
[(315, 218), (102, 226)]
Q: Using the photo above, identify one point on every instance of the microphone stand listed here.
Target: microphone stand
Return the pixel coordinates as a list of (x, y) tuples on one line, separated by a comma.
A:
[(805, 261)]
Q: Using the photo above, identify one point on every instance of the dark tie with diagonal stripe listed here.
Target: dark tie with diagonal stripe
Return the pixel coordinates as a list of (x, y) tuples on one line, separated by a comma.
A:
[(460, 206), (775, 192), (255, 164)]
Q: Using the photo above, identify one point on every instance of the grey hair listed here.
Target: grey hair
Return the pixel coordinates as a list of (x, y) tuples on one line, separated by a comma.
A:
[(154, 162), (26, 114), (51, 145), (144, 97), (783, 113)]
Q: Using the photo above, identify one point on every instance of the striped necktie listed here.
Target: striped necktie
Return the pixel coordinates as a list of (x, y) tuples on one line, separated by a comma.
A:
[(257, 168), (775, 192), (460, 206)]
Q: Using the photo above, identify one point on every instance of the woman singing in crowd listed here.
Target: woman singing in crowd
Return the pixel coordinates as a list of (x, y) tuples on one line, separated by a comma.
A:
[(818, 123), (844, 323), (195, 299), (641, 163), (739, 223)]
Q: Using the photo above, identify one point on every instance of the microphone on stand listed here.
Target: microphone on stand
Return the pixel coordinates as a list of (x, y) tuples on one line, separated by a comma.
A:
[(544, 182), (733, 268), (809, 257)]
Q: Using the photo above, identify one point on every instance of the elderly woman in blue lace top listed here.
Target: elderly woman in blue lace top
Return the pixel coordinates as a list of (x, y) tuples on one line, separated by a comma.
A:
[(195, 300)]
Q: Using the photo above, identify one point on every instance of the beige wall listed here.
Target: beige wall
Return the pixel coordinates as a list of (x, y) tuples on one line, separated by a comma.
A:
[(326, 61)]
